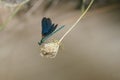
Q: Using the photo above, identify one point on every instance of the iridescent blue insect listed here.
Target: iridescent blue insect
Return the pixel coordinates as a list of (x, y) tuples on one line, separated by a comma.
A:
[(48, 29), (47, 26)]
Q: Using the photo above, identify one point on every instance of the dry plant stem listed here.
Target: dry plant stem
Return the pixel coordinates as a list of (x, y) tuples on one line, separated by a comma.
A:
[(83, 6), (37, 4), (12, 15), (76, 22)]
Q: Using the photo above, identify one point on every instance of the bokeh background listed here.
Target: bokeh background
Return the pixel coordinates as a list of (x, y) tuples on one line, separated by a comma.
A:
[(90, 52)]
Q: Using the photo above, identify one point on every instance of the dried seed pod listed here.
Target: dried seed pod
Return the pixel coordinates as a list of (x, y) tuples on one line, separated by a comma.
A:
[(49, 50)]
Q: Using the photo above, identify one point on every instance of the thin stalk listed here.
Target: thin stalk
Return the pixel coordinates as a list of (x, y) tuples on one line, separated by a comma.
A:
[(12, 15), (83, 6), (37, 4), (76, 22)]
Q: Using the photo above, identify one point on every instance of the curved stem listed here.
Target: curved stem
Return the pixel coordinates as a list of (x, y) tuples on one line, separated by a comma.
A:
[(12, 15), (76, 21)]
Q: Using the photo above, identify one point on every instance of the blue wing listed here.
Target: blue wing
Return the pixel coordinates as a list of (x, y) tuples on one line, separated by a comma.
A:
[(47, 26), (48, 29)]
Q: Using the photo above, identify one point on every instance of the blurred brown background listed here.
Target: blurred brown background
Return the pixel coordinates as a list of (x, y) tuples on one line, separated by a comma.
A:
[(90, 52)]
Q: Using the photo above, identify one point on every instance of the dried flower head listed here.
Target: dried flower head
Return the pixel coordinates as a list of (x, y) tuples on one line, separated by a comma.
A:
[(49, 50)]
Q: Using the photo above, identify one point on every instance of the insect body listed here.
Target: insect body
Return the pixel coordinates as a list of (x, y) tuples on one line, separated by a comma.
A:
[(48, 29)]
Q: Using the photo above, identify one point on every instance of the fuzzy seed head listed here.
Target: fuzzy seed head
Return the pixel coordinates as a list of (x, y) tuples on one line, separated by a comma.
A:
[(49, 50)]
